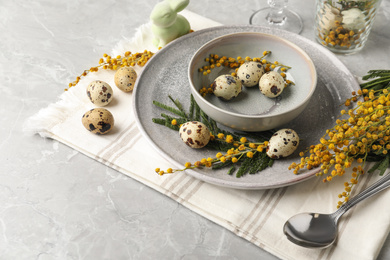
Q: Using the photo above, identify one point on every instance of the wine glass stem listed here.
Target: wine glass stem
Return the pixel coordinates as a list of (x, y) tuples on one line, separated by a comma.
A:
[(277, 14)]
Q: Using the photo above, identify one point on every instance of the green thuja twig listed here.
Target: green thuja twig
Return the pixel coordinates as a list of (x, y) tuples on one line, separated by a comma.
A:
[(170, 109), (246, 164), (376, 73), (179, 106)]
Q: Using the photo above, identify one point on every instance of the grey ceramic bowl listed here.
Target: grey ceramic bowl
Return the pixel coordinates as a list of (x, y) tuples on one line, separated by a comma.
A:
[(251, 110)]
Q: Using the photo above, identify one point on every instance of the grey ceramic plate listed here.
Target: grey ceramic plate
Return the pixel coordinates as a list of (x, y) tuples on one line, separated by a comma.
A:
[(166, 74)]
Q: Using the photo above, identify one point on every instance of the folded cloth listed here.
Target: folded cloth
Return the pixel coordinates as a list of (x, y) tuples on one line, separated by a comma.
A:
[(257, 216)]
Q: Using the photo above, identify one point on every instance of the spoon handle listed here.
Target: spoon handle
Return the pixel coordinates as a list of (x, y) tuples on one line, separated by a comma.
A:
[(378, 186)]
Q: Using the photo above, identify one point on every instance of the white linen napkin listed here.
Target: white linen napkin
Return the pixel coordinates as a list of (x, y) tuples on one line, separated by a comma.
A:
[(257, 216)]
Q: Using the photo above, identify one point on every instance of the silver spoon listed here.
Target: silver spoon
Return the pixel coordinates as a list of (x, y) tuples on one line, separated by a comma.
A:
[(315, 230)]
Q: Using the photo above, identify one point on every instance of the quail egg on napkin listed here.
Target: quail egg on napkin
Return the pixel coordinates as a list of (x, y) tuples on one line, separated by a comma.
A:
[(99, 92), (99, 121), (125, 78)]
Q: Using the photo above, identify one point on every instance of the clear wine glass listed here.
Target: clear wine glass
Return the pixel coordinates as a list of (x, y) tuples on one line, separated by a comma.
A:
[(277, 16)]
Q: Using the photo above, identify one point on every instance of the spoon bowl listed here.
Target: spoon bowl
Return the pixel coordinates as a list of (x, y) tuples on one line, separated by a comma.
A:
[(315, 230), (311, 230)]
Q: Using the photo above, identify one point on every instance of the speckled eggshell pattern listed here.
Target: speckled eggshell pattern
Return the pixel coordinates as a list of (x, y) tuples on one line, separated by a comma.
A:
[(226, 87), (271, 84), (195, 134), (100, 93), (250, 73), (125, 78), (99, 121), (282, 143)]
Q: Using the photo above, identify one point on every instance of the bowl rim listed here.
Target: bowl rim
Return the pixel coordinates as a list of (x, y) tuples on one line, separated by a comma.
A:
[(245, 116)]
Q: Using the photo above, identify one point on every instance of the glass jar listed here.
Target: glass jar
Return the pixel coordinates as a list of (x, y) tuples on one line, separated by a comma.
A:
[(343, 26)]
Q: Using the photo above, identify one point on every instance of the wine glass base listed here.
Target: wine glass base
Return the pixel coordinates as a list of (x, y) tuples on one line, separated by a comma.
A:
[(292, 22)]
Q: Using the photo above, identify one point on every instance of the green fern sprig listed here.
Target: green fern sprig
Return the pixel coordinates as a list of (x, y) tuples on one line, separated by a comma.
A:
[(379, 79), (170, 109), (257, 163), (376, 73)]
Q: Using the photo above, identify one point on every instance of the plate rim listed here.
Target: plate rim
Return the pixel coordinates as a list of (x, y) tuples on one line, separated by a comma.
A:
[(206, 177)]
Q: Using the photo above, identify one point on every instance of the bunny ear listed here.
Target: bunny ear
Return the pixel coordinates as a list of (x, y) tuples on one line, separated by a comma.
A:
[(178, 5)]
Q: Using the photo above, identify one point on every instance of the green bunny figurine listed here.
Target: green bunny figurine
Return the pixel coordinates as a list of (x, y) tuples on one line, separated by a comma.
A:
[(167, 23)]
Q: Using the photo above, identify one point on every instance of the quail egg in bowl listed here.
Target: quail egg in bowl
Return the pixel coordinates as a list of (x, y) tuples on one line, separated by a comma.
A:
[(254, 108)]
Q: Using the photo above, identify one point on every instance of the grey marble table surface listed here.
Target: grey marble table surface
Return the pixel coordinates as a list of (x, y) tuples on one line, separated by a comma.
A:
[(56, 203)]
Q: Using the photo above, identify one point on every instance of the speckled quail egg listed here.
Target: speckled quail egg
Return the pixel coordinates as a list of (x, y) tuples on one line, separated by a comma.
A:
[(271, 84), (282, 143), (99, 92), (99, 121), (195, 134), (125, 78), (226, 87), (250, 73)]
